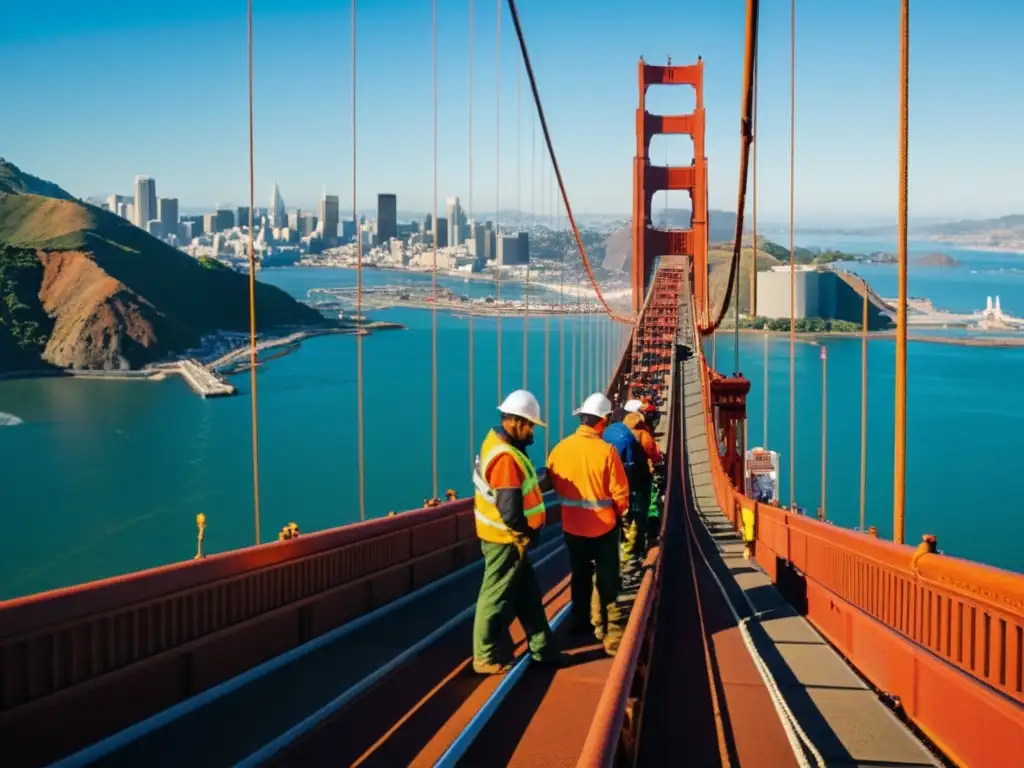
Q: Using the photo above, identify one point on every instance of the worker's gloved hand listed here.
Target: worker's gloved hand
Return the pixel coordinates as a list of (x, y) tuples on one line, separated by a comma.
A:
[(521, 543)]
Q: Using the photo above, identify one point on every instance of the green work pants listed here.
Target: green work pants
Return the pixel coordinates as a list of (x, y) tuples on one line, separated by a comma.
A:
[(509, 591), (595, 582), (635, 536)]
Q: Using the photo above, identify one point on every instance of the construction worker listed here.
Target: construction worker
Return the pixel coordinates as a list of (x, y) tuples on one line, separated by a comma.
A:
[(509, 510), (639, 453), (589, 477)]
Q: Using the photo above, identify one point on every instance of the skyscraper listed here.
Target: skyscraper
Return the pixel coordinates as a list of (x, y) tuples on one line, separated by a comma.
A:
[(455, 221), (441, 232), (145, 201), (167, 212), (387, 217), (242, 216), (278, 217), (329, 217)]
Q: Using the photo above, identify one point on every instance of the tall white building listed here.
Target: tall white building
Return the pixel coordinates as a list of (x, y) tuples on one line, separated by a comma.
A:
[(278, 215), (456, 221), (145, 201)]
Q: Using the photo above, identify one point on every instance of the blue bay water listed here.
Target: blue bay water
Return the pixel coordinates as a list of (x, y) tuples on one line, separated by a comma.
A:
[(105, 477)]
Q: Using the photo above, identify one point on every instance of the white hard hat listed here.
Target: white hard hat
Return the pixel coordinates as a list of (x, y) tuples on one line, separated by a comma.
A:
[(595, 405), (633, 406), (524, 404)]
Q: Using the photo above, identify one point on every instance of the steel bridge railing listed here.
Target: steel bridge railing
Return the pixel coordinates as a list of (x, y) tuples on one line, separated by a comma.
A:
[(941, 637)]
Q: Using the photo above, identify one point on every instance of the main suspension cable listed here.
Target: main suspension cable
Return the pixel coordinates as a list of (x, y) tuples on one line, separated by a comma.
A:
[(252, 303), (554, 163), (746, 138), (433, 272), (472, 399), (360, 435)]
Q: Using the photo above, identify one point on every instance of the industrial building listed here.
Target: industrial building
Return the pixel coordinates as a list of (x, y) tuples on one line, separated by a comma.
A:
[(817, 292)]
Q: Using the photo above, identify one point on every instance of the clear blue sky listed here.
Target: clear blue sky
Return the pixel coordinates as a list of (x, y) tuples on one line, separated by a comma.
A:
[(95, 92)]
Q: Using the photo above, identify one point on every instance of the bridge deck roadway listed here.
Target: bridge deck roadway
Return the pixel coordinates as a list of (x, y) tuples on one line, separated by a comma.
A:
[(411, 716), (231, 727), (415, 715), (843, 718)]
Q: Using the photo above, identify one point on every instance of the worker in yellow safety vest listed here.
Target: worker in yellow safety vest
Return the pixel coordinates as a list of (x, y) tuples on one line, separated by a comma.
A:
[(508, 505), (589, 477)]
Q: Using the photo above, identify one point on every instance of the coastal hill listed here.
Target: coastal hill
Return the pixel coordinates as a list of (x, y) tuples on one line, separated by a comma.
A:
[(15, 181), (618, 246), (1004, 232), (83, 288), (1013, 223)]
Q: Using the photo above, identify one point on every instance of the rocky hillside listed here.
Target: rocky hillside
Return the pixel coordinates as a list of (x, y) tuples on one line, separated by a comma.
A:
[(83, 288)]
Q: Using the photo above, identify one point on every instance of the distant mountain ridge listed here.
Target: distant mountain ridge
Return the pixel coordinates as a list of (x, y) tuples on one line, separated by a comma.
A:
[(83, 288)]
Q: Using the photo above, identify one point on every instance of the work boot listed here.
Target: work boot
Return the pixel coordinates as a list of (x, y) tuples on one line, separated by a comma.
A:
[(553, 659), (611, 645), (491, 667)]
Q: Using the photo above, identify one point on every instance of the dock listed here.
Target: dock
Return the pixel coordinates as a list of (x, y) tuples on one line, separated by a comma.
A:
[(203, 381)]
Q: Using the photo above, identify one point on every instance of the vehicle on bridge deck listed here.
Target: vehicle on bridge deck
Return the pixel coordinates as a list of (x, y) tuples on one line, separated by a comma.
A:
[(761, 478)]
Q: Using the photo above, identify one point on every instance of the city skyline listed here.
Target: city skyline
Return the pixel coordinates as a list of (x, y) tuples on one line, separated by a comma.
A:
[(846, 102)]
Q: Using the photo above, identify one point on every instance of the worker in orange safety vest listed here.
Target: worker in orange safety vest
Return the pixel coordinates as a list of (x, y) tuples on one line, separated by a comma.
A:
[(591, 482)]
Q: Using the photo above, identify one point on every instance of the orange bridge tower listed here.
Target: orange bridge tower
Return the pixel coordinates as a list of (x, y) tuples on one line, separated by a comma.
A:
[(649, 243)]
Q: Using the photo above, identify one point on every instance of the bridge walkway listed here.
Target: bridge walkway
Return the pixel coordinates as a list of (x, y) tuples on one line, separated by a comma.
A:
[(842, 717), (704, 703), (543, 720), (226, 724)]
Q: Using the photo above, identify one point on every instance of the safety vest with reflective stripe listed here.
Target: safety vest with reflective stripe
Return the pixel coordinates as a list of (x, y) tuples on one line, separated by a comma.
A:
[(489, 524)]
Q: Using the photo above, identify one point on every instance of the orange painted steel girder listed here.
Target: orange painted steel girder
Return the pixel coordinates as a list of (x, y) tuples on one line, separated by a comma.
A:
[(649, 243), (729, 400)]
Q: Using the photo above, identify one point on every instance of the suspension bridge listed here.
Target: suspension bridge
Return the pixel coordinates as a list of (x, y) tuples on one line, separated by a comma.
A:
[(757, 636)]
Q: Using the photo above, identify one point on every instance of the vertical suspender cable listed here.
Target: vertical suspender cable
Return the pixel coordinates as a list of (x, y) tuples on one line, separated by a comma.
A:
[(360, 450), (899, 478), (472, 399), (252, 304), (792, 260), (547, 385), (767, 380), (573, 390), (497, 186), (590, 350), (433, 289), (581, 364), (519, 155), (864, 409), (753, 257), (736, 330), (526, 292), (824, 428), (561, 331)]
